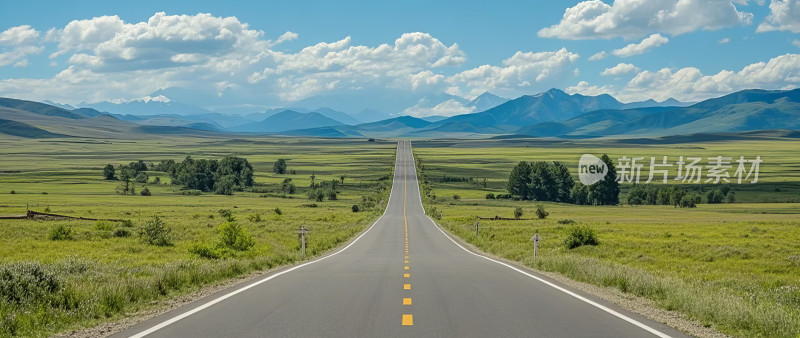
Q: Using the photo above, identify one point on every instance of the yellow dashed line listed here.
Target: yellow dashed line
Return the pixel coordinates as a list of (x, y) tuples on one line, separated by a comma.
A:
[(406, 301), (408, 320), (406, 275), (406, 268)]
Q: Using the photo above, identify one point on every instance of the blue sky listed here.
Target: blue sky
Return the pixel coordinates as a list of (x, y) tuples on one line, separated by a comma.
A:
[(465, 48)]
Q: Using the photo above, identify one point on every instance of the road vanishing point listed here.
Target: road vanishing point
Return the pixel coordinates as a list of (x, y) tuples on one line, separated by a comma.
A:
[(403, 277)]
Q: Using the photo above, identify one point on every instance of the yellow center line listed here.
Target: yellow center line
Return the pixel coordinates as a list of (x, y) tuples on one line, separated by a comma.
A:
[(408, 319)]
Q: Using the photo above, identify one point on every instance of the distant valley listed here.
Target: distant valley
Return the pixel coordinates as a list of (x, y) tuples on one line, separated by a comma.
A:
[(550, 114)]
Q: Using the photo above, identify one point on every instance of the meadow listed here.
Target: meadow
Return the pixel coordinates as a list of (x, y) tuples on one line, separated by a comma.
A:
[(106, 270), (733, 266)]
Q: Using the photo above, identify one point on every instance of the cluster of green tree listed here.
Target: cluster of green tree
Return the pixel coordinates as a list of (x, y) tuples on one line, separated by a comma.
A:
[(677, 196), (134, 172), (221, 176), (446, 178), (326, 189), (551, 181)]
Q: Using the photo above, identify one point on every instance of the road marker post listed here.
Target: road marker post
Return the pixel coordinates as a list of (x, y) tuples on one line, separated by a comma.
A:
[(302, 231), (477, 225), (535, 240)]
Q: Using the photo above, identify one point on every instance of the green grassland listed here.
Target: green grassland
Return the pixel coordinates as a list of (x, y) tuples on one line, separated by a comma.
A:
[(733, 266), (100, 277)]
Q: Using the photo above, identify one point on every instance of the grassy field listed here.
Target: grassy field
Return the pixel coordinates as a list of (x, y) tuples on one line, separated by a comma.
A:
[(49, 286), (733, 266)]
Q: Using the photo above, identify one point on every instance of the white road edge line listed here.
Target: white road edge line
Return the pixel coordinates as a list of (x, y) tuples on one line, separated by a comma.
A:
[(584, 299), (237, 291)]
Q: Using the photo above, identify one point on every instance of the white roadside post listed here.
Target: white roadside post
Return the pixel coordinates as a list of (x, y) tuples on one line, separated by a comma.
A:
[(302, 232), (535, 240)]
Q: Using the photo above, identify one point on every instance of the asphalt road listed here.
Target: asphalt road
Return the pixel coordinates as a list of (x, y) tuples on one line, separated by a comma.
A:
[(403, 277)]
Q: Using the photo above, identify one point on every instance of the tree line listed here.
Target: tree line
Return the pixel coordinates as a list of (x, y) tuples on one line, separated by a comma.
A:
[(552, 181), (223, 176)]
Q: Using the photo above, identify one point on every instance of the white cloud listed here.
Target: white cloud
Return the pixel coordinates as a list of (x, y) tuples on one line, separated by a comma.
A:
[(447, 108), (288, 36), (620, 69), (784, 16), (108, 44), (598, 56), (16, 43), (407, 64), (635, 18), (18, 36), (796, 43), (648, 43), (724, 41), (690, 84), (518, 71), (585, 88)]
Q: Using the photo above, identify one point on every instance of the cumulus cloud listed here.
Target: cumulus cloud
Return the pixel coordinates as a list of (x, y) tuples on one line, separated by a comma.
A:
[(690, 84), (447, 108), (517, 72), (108, 44), (620, 69), (16, 43), (595, 19), (796, 43), (784, 16), (598, 56), (648, 43), (585, 88), (407, 64), (288, 36), (724, 41)]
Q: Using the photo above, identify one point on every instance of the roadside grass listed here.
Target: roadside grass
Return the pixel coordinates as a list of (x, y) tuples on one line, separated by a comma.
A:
[(732, 266), (101, 274)]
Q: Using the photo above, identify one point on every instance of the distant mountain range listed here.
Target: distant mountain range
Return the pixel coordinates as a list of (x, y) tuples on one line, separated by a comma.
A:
[(553, 113)]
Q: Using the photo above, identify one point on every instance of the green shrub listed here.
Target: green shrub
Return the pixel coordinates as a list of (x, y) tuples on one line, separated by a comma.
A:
[(456, 197), (227, 214), (730, 197), (13, 192), (60, 233), (27, 282), (690, 201), (354, 208), (205, 251), (434, 213), (541, 213), (156, 232), (518, 212), (566, 221), (580, 235), (255, 218), (145, 192), (331, 194), (191, 192), (121, 232), (141, 178), (490, 196), (126, 223), (103, 225), (233, 236), (278, 211)]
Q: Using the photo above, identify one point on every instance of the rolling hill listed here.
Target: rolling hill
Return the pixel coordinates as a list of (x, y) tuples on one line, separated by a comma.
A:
[(287, 120), (741, 111)]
